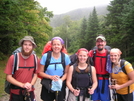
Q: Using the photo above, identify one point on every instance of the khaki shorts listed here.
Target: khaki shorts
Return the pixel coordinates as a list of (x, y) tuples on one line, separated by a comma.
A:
[(71, 97)]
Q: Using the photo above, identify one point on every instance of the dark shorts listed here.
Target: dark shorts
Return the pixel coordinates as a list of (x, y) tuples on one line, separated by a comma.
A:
[(50, 96), (14, 97), (126, 97)]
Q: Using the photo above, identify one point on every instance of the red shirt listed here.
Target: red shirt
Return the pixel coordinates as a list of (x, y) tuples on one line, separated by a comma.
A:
[(24, 74), (99, 62)]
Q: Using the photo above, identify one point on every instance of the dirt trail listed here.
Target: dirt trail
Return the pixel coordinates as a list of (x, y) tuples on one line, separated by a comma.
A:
[(37, 90)]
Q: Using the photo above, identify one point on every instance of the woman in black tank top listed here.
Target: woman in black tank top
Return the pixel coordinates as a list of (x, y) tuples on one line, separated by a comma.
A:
[(81, 78)]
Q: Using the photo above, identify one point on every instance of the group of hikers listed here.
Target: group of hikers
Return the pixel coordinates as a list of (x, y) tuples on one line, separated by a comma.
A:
[(88, 74)]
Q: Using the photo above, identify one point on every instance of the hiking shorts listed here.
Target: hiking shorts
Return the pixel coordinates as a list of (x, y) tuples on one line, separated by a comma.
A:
[(98, 95), (71, 97)]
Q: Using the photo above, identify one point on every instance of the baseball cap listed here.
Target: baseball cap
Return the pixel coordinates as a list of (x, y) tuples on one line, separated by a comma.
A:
[(101, 37)]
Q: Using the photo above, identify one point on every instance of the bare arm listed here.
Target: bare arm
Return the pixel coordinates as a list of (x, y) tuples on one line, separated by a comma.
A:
[(69, 79), (14, 81), (65, 73), (94, 79)]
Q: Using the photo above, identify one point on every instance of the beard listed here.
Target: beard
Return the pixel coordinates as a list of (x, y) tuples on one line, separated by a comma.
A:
[(100, 49), (26, 53)]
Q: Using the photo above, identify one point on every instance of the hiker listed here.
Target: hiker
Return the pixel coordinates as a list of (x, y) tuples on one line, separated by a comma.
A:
[(24, 77), (99, 59), (55, 71), (124, 76), (81, 78), (48, 47)]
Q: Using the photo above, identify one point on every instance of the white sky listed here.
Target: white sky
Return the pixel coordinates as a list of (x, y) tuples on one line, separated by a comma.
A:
[(63, 6)]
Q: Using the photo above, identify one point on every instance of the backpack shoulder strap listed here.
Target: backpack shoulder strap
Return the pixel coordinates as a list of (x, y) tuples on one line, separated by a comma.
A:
[(49, 53), (47, 60), (92, 57), (74, 68), (15, 62), (122, 64), (35, 62), (90, 75), (63, 59)]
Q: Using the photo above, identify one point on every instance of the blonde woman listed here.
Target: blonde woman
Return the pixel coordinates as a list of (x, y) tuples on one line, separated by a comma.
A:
[(124, 76)]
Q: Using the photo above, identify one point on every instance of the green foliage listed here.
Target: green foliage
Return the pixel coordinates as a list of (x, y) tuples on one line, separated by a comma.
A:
[(20, 18), (82, 34), (2, 56), (120, 22), (92, 29), (127, 28), (2, 76)]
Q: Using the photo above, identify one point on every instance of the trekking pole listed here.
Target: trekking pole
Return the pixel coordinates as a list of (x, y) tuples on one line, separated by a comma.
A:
[(77, 97), (114, 82), (28, 93), (57, 95), (89, 94)]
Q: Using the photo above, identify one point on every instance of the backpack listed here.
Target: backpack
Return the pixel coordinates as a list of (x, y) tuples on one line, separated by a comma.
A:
[(15, 67), (93, 55), (73, 57), (89, 72), (75, 81), (47, 82), (108, 48), (122, 64), (47, 63), (48, 46)]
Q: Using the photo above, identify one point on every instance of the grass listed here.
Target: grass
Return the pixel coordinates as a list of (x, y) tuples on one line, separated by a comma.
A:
[(2, 77)]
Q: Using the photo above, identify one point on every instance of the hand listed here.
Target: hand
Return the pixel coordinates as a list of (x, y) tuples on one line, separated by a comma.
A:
[(90, 90), (76, 92), (116, 86), (28, 86), (55, 78)]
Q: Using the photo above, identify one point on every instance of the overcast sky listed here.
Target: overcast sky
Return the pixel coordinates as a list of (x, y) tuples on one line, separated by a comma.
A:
[(63, 6)]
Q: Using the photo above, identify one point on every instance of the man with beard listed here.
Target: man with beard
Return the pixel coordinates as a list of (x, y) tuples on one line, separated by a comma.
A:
[(25, 75), (99, 61)]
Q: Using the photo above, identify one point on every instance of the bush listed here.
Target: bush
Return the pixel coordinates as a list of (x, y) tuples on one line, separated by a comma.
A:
[(2, 56)]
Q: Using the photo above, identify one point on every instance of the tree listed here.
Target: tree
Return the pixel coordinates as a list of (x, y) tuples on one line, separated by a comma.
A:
[(127, 30), (81, 36), (92, 29), (114, 23), (23, 17)]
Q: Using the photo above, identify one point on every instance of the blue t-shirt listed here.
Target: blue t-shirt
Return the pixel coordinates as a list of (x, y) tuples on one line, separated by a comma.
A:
[(55, 69)]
